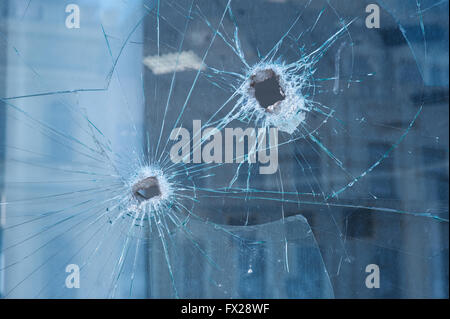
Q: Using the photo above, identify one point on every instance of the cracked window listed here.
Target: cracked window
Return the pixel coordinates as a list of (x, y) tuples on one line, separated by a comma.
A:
[(223, 149)]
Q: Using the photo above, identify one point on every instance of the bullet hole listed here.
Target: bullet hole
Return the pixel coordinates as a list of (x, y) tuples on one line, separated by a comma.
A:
[(265, 87), (146, 189)]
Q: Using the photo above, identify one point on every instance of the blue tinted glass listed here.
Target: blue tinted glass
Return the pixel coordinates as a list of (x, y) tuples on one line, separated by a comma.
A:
[(224, 149)]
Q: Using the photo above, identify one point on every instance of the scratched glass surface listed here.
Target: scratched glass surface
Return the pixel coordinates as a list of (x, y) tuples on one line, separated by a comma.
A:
[(356, 176)]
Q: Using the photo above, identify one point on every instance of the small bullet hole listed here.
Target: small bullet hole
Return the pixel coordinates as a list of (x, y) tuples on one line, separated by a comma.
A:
[(266, 88), (146, 189)]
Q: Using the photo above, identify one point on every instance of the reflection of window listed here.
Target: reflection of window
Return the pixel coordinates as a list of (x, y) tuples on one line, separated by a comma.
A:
[(407, 73), (432, 97), (382, 180), (54, 113), (436, 183), (310, 163), (250, 285), (301, 279), (360, 224)]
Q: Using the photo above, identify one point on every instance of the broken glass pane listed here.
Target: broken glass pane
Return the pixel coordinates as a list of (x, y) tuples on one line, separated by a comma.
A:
[(228, 149)]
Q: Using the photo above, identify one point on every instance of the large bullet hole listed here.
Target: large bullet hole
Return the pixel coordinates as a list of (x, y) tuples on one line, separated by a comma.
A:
[(266, 88), (146, 189)]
